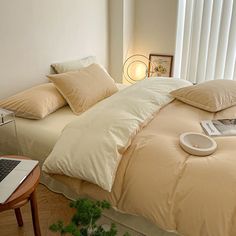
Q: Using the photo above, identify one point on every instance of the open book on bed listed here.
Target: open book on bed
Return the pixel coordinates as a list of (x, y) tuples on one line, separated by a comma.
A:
[(222, 127)]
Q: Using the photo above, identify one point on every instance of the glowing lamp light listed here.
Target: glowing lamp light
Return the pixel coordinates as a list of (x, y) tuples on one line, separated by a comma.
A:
[(135, 68)]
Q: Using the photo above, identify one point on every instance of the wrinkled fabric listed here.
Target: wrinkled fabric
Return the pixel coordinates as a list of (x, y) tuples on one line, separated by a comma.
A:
[(91, 147), (194, 196)]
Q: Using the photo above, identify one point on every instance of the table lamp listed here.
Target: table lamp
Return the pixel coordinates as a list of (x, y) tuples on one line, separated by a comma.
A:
[(136, 68)]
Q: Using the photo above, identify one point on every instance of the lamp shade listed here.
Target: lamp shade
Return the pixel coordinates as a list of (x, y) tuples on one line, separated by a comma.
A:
[(135, 68)]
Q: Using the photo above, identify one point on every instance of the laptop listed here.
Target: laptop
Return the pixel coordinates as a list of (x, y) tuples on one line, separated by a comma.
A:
[(12, 174)]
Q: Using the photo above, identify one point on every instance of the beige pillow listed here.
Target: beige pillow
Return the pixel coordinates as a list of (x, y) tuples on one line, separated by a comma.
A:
[(211, 96), (73, 64), (85, 87), (36, 102)]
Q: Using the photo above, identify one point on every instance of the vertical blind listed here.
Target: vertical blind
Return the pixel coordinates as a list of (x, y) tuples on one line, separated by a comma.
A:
[(206, 40)]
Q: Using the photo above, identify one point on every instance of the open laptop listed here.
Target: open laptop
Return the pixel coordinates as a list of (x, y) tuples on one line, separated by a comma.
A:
[(12, 173)]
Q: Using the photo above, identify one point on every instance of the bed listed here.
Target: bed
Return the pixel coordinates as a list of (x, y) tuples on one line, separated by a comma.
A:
[(37, 137), (133, 179), (178, 192)]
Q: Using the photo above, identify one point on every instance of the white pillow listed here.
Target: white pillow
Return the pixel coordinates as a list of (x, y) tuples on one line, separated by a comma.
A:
[(73, 65)]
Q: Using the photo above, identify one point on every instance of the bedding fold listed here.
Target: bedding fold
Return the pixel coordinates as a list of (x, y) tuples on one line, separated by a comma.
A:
[(91, 147), (157, 180)]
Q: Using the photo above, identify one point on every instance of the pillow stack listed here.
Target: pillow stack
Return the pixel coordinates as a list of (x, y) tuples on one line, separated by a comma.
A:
[(85, 87), (80, 83)]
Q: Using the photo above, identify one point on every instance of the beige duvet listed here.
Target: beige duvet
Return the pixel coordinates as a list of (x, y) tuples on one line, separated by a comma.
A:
[(91, 147), (156, 179)]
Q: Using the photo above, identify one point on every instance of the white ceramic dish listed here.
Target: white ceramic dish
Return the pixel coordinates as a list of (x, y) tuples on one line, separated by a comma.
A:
[(197, 144)]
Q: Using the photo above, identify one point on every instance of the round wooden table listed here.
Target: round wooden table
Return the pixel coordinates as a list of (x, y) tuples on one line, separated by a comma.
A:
[(24, 193)]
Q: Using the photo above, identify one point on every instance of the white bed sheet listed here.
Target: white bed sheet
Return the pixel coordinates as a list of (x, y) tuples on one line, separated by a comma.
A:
[(38, 137)]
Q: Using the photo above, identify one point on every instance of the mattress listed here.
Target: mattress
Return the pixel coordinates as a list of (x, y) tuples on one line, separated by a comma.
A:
[(37, 137)]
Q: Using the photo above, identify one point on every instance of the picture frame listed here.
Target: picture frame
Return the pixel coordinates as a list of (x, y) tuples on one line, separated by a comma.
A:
[(160, 65)]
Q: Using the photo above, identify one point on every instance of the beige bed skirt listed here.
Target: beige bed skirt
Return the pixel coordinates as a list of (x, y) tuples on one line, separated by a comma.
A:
[(136, 223)]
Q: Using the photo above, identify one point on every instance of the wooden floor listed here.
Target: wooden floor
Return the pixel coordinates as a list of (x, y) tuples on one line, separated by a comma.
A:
[(52, 207)]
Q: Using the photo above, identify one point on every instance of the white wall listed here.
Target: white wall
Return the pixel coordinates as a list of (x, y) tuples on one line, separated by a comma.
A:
[(116, 39), (128, 28), (155, 26), (121, 15), (35, 33), (142, 27)]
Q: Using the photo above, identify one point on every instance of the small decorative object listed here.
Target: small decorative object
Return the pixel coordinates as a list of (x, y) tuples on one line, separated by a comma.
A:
[(197, 144), (136, 68), (6, 116), (83, 223), (160, 65), (9, 144)]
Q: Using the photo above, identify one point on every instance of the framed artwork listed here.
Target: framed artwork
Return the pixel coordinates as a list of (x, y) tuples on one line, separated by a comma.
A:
[(160, 65)]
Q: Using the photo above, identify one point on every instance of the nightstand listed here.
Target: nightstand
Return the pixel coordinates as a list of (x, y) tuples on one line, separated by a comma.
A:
[(8, 133)]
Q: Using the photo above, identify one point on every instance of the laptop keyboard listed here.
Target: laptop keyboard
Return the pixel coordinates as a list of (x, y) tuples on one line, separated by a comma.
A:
[(6, 166)]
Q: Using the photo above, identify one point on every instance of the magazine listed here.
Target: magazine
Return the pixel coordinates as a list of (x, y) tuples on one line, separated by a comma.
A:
[(223, 127)]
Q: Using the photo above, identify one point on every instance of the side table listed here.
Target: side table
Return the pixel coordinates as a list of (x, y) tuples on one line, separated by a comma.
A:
[(24, 193)]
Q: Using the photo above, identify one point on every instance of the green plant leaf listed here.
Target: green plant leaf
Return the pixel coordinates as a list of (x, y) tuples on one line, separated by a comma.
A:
[(83, 222), (126, 234), (57, 227)]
